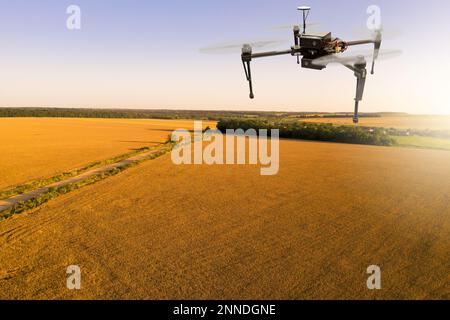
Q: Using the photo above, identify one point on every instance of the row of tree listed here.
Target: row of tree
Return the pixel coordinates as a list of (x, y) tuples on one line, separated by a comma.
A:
[(441, 134), (312, 131), (160, 114)]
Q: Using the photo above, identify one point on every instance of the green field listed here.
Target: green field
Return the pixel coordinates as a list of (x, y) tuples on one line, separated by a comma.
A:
[(423, 142)]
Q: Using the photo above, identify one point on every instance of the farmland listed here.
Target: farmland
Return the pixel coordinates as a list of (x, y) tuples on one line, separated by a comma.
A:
[(399, 122), (160, 231), (429, 132), (33, 148), (424, 142)]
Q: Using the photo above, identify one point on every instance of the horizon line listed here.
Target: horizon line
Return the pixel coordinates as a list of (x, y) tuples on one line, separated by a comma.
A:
[(223, 110)]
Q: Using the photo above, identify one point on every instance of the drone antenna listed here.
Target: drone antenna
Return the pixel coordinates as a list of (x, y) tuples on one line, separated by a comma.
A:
[(305, 10)]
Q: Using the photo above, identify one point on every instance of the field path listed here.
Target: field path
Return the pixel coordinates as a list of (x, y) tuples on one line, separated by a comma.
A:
[(10, 202)]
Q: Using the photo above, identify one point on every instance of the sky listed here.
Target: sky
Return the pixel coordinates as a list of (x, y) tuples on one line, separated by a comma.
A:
[(146, 54)]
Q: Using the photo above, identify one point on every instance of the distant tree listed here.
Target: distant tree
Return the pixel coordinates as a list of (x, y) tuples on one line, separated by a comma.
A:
[(312, 131)]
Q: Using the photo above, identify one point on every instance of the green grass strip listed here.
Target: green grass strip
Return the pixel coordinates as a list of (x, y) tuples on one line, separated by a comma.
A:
[(52, 193), (39, 183)]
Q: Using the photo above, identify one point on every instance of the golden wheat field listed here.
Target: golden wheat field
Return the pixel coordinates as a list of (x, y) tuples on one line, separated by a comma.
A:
[(32, 148), (161, 231), (400, 122)]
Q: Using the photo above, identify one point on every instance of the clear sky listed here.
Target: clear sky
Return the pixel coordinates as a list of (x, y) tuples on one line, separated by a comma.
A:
[(145, 54)]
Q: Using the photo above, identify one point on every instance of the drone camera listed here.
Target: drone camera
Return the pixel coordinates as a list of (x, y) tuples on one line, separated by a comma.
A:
[(317, 42), (309, 64)]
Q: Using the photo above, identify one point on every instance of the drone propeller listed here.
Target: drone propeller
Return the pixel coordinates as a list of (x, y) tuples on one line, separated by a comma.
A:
[(387, 32), (375, 36), (356, 57), (236, 47), (291, 26)]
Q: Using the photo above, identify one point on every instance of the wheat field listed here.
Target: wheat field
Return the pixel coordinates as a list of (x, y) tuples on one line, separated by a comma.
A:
[(160, 231), (399, 122), (32, 148)]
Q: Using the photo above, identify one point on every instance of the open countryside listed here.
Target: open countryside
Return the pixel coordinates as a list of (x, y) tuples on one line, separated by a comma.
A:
[(161, 231)]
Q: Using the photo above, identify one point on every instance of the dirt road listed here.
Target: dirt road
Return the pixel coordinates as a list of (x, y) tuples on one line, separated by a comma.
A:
[(10, 202)]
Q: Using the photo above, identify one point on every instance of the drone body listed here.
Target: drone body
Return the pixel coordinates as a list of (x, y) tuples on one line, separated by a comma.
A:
[(316, 51)]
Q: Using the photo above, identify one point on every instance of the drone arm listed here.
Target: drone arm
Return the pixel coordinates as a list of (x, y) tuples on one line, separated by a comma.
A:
[(359, 42), (247, 58), (271, 54)]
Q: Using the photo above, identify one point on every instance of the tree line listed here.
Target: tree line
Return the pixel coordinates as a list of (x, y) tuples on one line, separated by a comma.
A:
[(313, 131), (160, 114)]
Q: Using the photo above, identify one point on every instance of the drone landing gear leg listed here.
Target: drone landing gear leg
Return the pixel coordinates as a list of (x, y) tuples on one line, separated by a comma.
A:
[(360, 84), (356, 117), (360, 74), (248, 74)]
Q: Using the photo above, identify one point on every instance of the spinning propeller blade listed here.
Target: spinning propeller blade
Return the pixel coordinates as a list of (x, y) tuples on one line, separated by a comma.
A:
[(236, 47), (291, 26), (387, 32), (377, 36), (356, 57)]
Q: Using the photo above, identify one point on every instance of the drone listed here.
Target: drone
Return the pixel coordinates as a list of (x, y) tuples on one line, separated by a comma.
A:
[(316, 51)]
